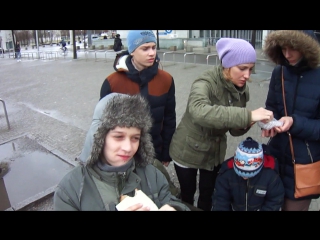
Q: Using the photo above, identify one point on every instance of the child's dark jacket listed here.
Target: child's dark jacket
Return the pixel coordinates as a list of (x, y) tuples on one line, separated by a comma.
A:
[(263, 192)]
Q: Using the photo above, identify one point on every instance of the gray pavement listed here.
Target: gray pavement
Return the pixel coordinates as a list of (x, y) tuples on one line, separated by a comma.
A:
[(53, 100)]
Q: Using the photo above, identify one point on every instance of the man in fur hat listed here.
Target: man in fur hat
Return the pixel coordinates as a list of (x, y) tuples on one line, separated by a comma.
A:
[(120, 163)]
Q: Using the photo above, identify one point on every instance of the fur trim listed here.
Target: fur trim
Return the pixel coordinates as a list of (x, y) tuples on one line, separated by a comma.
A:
[(125, 111), (122, 66), (297, 39)]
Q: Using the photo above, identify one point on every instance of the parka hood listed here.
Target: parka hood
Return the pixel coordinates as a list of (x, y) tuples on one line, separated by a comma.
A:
[(302, 40), (125, 111)]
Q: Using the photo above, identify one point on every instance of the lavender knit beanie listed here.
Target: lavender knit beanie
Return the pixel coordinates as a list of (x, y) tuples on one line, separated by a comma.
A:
[(136, 38), (235, 51)]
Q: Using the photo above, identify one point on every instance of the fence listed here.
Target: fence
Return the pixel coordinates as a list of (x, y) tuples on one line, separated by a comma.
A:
[(57, 55)]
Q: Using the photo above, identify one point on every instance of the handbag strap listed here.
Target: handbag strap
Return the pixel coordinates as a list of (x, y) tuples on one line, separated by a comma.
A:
[(285, 111)]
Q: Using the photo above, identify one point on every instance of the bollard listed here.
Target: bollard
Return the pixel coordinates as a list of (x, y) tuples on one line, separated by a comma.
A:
[(5, 111)]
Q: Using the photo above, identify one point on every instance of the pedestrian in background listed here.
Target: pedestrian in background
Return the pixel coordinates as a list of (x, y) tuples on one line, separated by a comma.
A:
[(119, 164), (216, 105), (249, 181), (296, 52), (117, 45), (17, 51)]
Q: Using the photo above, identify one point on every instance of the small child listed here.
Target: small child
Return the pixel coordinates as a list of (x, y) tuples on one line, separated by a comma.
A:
[(249, 181)]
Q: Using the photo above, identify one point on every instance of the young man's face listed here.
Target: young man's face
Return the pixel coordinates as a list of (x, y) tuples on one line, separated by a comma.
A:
[(120, 145), (144, 55)]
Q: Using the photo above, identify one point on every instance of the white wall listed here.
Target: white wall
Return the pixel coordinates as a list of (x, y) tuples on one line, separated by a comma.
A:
[(6, 36), (195, 33), (264, 34)]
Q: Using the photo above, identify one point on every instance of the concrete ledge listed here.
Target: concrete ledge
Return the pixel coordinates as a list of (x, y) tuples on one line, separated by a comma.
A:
[(190, 48)]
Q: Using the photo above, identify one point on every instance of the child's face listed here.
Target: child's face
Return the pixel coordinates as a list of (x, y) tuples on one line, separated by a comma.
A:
[(245, 178)]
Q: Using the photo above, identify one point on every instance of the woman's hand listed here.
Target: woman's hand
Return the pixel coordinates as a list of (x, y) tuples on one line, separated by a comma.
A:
[(268, 133), (261, 114), (287, 123)]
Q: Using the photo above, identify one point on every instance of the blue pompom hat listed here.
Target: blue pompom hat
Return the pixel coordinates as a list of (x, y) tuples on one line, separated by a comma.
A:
[(248, 159), (136, 38)]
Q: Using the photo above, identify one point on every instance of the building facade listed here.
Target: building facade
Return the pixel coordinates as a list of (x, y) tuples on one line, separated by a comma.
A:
[(197, 38), (210, 37), (6, 40)]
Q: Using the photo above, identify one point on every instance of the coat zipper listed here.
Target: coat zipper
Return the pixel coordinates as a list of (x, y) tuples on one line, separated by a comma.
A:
[(121, 182), (247, 194)]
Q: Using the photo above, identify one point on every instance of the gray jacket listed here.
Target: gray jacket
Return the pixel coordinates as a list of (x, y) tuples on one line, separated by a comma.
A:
[(88, 188)]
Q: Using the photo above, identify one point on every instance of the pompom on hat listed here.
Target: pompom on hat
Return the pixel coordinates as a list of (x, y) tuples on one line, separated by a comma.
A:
[(248, 159), (136, 38), (235, 51)]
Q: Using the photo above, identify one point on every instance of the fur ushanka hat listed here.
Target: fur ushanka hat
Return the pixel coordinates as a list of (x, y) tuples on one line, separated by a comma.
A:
[(125, 111), (304, 41)]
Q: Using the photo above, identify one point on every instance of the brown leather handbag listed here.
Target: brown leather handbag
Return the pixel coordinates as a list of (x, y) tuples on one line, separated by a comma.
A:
[(306, 176)]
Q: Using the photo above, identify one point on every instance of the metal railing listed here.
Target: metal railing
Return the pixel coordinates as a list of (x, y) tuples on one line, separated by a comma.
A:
[(49, 55), (27, 54), (173, 57), (212, 55), (43, 55), (87, 52), (5, 112), (190, 53), (99, 51)]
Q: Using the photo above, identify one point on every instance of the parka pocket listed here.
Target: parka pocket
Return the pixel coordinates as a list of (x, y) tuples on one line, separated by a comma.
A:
[(195, 150), (197, 145)]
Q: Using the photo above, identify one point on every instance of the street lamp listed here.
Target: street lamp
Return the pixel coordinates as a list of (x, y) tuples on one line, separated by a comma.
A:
[(50, 37), (84, 39), (253, 43)]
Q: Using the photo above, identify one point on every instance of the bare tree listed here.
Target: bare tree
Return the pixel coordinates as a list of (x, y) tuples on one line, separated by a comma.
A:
[(27, 37)]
